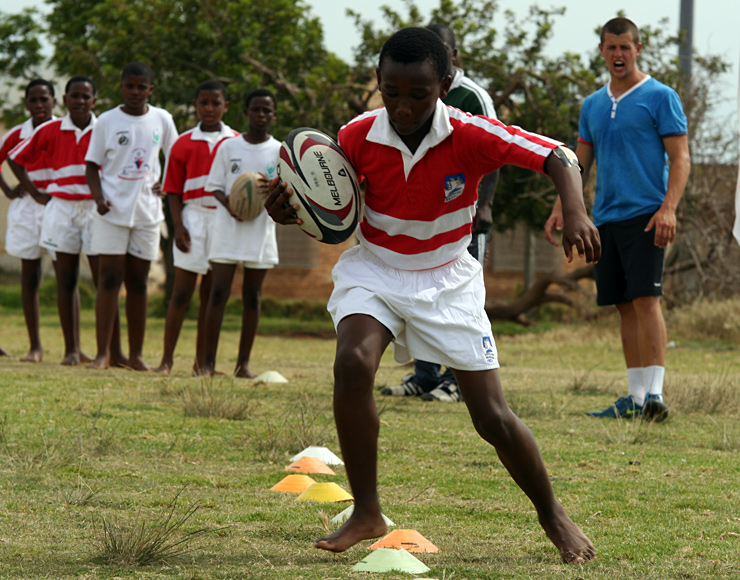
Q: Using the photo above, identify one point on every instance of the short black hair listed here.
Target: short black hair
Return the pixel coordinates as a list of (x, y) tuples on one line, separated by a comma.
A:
[(137, 69), (444, 32), (80, 79), (40, 83), (620, 25), (211, 85), (259, 93), (415, 44)]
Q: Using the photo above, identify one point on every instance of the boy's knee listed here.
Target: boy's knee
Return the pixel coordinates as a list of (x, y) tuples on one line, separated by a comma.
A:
[(219, 295), (352, 365), (180, 298), (136, 285), (496, 425)]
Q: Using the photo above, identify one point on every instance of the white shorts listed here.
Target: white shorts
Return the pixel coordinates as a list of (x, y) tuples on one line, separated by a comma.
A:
[(66, 225), (244, 264), (235, 242), (112, 239), (198, 220), (435, 315), (23, 236)]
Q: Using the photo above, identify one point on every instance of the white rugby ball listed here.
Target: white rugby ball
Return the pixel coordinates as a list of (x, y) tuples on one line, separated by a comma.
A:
[(246, 198), (324, 185)]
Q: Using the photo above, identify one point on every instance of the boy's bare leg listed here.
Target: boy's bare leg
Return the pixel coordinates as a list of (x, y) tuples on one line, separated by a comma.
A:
[(30, 282), (137, 301), (252, 301), (200, 341), (116, 358), (517, 449), (110, 278), (67, 269), (361, 341), (182, 293), (223, 275)]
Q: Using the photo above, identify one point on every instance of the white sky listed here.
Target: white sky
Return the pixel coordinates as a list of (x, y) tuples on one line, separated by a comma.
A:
[(715, 27)]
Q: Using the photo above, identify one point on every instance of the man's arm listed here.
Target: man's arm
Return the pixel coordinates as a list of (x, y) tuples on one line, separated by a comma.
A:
[(578, 230), (483, 218), (664, 220), (585, 154)]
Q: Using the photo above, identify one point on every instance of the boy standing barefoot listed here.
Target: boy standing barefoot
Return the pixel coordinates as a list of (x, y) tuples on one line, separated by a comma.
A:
[(411, 281), (125, 144)]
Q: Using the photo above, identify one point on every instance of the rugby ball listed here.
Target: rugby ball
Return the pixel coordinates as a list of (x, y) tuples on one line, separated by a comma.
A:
[(246, 196), (324, 185)]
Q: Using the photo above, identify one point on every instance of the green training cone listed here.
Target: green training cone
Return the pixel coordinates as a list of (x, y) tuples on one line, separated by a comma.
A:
[(387, 559)]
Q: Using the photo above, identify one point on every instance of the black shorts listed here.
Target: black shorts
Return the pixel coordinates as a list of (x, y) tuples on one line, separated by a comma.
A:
[(631, 265)]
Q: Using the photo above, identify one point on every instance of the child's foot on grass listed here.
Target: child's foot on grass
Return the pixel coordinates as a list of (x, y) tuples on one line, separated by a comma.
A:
[(163, 368), (354, 530), (100, 363), (243, 372), (119, 361), (75, 358), (137, 363), (573, 545), (34, 356)]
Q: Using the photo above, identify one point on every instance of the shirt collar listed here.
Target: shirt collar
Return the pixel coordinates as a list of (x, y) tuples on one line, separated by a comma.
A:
[(68, 124), (457, 78), (199, 135), (28, 127)]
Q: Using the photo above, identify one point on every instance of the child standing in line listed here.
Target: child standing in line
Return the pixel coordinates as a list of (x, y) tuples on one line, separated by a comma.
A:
[(193, 211), (251, 244), (25, 214), (411, 281), (122, 167), (65, 230)]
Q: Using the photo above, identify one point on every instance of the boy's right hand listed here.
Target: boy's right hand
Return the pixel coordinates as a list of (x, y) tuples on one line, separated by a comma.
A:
[(182, 238), (17, 192), (277, 203), (103, 206), (579, 231)]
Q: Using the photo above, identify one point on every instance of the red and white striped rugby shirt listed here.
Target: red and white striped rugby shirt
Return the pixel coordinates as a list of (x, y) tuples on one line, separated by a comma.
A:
[(54, 155), (419, 208), (190, 162)]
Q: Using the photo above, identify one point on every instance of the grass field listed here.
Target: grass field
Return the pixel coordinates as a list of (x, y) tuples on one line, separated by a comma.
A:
[(88, 456)]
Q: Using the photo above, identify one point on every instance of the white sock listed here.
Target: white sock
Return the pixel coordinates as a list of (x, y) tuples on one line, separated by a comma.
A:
[(654, 376), (638, 386)]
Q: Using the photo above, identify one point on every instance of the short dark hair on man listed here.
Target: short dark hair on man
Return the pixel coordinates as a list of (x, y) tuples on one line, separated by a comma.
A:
[(444, 32), (415, 44), (211, 85), (137, 69), (80, 79), (40, 83), (259, 93), (620, 25)]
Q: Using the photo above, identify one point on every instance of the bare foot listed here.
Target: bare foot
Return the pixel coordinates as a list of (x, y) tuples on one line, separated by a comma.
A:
[(72, 359), (119, 361), (4, 352), (85, 358), (163, 368), (137, 363), (573, 545), (100, 363), (354, 530), (34, 356), (243, 372)]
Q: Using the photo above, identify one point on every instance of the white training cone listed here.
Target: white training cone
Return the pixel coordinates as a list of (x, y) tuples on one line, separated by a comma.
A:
[(320, 453), (271, 377)]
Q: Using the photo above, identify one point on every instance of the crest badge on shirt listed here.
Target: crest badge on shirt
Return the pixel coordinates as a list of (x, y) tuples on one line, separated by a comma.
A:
[(454, 186), (123, 137), (488, 350), (236, 166), (137, 169), (156, 134)]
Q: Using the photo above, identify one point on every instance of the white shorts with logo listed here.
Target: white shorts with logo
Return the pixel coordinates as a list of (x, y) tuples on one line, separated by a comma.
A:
[(113, 239), (66, 225), (23, 236), (436, 315), (198, 220)]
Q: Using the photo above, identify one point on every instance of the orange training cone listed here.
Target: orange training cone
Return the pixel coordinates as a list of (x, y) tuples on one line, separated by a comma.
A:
[(294, 483), (310, 465), (410, 540)]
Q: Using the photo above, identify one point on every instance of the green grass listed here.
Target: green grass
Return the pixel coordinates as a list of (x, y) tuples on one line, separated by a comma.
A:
[(80, 447)]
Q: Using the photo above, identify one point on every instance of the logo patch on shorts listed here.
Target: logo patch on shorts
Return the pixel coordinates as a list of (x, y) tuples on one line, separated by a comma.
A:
[(489, 351), (454, 186)]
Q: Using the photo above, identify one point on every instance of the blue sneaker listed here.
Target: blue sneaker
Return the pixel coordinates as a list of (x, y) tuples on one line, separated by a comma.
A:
[(655, 409), (623, 407)]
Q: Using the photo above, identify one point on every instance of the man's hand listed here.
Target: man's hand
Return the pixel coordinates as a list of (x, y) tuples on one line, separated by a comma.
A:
[(664, 222)]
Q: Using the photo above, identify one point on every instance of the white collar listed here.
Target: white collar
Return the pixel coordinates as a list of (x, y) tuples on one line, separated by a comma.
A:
[(27, 128), (457, 78), (68, 124), (629, 91), (199, 135)]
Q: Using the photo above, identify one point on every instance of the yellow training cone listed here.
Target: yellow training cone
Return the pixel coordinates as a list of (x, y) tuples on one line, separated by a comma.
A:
[(293, 484), (410, 540), (310, 465), (325, 492)]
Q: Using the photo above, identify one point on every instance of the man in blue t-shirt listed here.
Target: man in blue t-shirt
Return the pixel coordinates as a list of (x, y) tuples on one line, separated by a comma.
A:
[(635, 129)]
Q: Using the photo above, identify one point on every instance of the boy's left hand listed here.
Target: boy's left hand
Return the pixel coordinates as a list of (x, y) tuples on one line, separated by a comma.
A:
[(278, 204), (579, 231), (157, 189)]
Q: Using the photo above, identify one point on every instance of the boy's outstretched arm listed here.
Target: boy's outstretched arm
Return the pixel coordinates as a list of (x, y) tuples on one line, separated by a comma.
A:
[(578, 230), (278, 205)]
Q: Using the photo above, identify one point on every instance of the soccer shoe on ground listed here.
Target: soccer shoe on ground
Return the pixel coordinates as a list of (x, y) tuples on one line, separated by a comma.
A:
[(655, 409), (445, 391), (407, 388), (625, 407)]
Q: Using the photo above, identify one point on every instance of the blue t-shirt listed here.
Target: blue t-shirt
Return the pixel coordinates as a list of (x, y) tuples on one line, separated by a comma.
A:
[(627, 136)]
